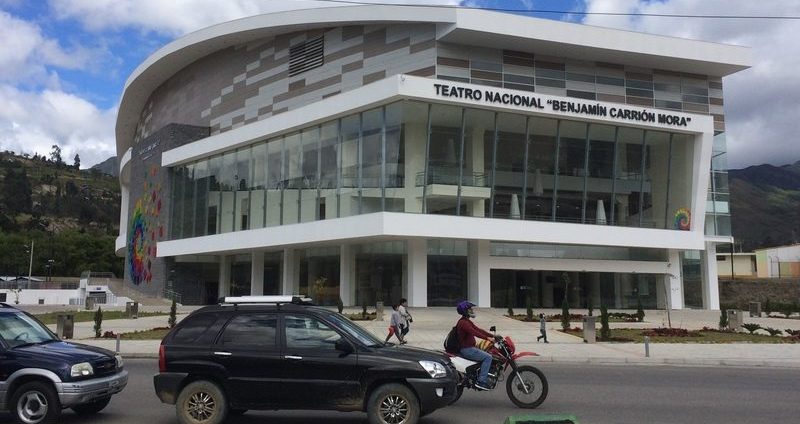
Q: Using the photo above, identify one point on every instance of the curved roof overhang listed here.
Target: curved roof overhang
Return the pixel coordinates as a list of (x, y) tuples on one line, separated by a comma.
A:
[(461, 26)]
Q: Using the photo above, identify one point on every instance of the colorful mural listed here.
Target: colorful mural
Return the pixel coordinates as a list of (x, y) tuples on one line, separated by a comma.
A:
[(145, 229), (683, 219)]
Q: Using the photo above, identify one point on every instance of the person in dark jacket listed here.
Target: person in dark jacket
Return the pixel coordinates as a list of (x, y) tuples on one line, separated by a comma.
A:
[(467, 332)]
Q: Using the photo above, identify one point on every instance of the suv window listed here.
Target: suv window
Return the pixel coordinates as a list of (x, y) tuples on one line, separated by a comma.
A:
[(251, 330), (305, 332), (193, 327)]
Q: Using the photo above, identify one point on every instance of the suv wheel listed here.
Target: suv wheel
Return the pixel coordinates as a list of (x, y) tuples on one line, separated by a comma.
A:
[(92, 407), (393, 404), (201, 402), (35, 403)]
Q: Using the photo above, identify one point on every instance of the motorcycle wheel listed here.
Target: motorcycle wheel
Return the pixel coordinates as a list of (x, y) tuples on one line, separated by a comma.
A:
[(459, 392), (534, 380)]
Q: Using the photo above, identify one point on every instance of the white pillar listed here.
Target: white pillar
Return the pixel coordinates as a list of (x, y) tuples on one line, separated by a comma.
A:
[(225, 275), (290, 271), (417, 274), (674, 280), (257, 273), (710, 281), (479, 273), (347, 274)]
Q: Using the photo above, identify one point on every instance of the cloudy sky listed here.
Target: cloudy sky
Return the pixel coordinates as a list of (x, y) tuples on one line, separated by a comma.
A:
[(63, 63)]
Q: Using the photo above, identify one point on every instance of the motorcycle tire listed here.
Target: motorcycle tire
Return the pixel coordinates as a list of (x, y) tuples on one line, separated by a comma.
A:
[(534, 379)]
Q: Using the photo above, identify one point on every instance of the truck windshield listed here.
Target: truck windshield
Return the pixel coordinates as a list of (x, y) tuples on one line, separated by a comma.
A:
[(18, 329)]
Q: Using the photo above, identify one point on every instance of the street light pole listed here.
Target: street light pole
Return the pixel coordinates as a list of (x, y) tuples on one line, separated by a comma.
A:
[(30, 265)]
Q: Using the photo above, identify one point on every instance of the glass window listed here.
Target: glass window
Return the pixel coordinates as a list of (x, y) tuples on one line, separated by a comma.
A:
[(412, 152), (628, 182), (541, 168), (656, 179), (328, 170), (242, 198), (258, 183), (395, 159), (228, 183), (214, 196), (444, 152), (447, 272), (319, 274), (680, 178), (349, 159), (510, 166), (293, 174), (251, 330), (476, 159), (201, 181), (19, 328), (310, 175), (601, 171), (571, 171), (193, 327), (379, 272), (304, 332), (275, 182)]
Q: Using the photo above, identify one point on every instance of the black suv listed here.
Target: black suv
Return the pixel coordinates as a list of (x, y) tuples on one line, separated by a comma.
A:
[(40, 374), (279, 353)]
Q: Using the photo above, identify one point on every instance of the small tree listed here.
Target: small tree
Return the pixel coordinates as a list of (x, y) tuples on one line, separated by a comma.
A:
[(773, 331), (639, 309), (339, 304), (172, 314), (98, 322), (589, 305), (364, 311), (605, 330), (723, 319), (528, 307), (77, 162), (767, 307), (565, 313)]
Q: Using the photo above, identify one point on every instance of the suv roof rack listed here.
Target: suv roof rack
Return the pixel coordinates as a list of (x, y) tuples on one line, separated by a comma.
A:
[(272, 300)]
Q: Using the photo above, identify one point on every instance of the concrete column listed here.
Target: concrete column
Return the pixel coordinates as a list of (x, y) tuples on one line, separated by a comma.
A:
[(479, 287), (347, 259), (710, 281), (417, 274), (225, 275), (257, 273), (290, 273), (674, 280)]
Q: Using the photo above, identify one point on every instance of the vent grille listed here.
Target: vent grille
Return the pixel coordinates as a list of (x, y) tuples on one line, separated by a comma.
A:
[(307, 55)]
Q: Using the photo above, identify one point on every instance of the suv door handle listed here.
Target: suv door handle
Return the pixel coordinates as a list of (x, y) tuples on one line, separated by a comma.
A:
[(294, 358), (222, 353)]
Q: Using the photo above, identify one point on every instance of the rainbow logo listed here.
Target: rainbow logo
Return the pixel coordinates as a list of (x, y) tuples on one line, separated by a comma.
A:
[(138, 246), (683, 219)]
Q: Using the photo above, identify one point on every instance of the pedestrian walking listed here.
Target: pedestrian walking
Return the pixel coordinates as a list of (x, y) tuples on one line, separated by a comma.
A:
[(542, 329), (395, 328), (407, 319)]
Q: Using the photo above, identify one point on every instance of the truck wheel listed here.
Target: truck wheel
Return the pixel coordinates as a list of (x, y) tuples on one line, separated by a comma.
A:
[(393, 404), (201, 402), (92, 407), (35, 403)]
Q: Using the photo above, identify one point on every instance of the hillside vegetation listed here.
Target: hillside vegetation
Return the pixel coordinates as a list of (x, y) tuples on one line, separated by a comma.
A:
[(765, 205), (70, 215)]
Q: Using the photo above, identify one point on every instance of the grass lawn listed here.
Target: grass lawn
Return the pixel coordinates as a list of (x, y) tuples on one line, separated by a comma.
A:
[(630, 335), (84, 316)]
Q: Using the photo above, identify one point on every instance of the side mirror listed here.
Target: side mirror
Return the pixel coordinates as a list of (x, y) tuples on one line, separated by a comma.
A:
[(492, 329), (343, 345)]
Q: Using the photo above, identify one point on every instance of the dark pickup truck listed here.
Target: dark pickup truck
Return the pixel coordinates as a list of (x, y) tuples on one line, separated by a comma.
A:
[(274, 352), (40, 374)]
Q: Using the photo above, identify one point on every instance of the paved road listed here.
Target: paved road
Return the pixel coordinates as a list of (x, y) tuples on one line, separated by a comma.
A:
[(594, 393)]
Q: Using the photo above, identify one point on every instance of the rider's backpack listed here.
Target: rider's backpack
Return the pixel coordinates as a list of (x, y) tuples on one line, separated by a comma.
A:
[(451, 344)]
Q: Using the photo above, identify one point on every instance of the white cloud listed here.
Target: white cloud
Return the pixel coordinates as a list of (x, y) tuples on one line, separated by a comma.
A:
[(174, 18), (31, 122), (762, 103)]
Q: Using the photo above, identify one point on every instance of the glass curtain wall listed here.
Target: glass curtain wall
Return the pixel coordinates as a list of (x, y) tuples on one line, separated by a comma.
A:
[(379, 272), (417, 157), (447, 272), (319, 274)]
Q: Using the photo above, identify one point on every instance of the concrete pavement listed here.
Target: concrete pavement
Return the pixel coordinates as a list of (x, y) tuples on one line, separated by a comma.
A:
[(431, 325)]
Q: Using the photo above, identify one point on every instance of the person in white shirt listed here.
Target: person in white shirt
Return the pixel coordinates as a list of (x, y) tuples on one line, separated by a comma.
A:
[(407, 320)]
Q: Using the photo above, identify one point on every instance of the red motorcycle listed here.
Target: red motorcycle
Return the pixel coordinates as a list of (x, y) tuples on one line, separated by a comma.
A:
[(526, 385)]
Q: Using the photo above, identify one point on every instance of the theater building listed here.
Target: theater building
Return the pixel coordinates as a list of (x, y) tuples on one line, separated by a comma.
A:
[(375, 152)]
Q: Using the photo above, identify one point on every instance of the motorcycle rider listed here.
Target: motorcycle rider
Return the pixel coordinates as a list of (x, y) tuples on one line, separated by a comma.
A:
[(467, 332)]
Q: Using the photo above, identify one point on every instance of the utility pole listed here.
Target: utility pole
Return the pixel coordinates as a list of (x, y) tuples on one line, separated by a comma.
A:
[(30, 265)]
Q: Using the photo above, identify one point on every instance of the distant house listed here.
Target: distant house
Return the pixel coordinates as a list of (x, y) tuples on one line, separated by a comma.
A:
[(744, 265), (781, 261)]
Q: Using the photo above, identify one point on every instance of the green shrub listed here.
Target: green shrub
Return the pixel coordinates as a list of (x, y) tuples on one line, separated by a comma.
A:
[(605, 330), (767, 307), (723, 319), (639, 310), (364, 312), (565, 313), (589, 305), (773, 331), (751, 327), (339, 304), (98, 322), (528, 307), (172, 314)]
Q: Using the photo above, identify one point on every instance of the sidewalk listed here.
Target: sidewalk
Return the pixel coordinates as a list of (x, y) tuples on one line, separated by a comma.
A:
[(431, 325)]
